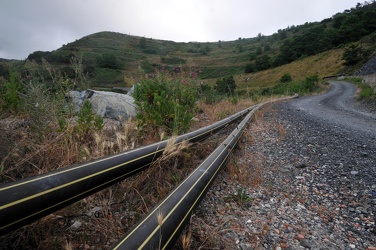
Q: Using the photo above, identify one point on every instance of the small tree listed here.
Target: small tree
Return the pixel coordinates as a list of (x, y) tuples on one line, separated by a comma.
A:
[(352, 55), (249, 68), (226, 85), (285, 78), (262, 63)]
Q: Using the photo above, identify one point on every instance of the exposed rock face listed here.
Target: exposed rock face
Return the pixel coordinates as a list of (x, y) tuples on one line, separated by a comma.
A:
[(105, 104), (131, 90), (368, 72), (369, 67)]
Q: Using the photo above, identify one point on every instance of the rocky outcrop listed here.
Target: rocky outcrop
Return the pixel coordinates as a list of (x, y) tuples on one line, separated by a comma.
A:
[(368, 72), (368, 68), (105, 104)]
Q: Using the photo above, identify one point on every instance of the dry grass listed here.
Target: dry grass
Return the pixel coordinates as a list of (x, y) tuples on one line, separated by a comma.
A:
[(323, 64), (121, 205), (206, 236), (214, 112), (246, 171)]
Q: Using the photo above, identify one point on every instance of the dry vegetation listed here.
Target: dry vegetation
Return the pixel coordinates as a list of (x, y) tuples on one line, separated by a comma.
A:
[(104, 217), (323, 64), (245, 171)]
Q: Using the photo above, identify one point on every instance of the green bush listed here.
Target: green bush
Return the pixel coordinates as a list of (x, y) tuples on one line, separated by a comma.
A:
[(249, 68), (11, 94), (173, 60), (285, 78), (366, 93), (87, 120), (226, 85), (166, 101), (109, 61), (209, 95)]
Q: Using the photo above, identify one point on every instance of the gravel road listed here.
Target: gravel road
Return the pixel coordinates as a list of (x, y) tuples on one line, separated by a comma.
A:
[(318, 190)]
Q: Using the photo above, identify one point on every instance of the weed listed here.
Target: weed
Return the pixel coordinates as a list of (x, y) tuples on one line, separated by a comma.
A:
[(166, 101), (241, 197), (234, 99), (87, 120)]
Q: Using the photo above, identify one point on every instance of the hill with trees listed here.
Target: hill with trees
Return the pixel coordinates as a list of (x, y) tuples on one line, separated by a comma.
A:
[(109, 59)]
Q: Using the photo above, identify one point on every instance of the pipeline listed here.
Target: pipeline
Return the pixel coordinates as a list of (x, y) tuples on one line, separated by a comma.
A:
[(162, 226), (27, 200)]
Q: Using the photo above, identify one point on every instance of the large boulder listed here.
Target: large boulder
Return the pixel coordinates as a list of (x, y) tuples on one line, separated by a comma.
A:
[(105, 104)]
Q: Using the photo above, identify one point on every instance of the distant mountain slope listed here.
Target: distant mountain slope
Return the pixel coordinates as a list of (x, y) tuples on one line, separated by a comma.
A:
[(111, 58)]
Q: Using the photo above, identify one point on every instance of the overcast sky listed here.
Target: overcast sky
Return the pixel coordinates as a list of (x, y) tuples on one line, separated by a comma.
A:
[(30, 25)]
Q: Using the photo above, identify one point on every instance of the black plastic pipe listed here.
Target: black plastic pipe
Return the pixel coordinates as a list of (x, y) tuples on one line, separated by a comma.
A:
[(27, 200), (163, 225)]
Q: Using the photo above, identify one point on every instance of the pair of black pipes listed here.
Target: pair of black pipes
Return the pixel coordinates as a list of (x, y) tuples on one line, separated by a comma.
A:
[(162, 226), (27, 200)]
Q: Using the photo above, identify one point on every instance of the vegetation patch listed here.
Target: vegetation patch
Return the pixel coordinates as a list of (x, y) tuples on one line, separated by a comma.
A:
[(366, 92), (241, 197), (173, 60), (309, 85), (166, 101)]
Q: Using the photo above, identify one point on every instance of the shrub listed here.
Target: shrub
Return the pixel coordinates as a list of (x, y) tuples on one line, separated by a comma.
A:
[(210, 96), (285, 78), (166, 101), (226, 85), (10, 93), (262, 63), (87, 120), (352, 55), (310, 84), (173, 60), (366, 92), (109, 61), (249, 68)]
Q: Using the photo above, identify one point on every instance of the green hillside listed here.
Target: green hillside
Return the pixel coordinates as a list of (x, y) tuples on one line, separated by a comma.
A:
[(114, 59), (115, 55)]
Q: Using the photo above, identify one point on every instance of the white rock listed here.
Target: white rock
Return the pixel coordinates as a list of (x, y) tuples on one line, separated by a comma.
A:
[(300, 207), (92, 211), (105, 104), (76, 225)]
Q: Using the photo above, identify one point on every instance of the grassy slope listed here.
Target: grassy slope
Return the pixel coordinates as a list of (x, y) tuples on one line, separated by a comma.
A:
[(223, 59), (323, 64)]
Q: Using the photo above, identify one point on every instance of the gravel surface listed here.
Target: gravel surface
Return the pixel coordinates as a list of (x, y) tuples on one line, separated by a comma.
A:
[(318, 189)]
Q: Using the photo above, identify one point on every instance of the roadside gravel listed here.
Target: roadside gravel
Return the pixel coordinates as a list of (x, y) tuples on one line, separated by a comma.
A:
[(318, 188)]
